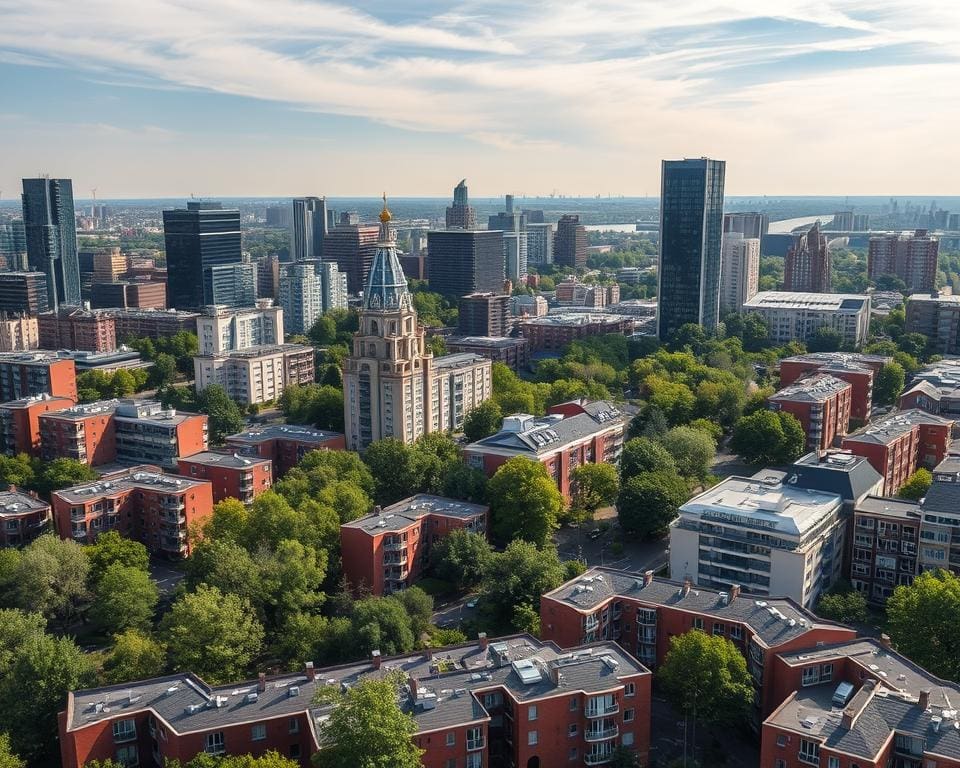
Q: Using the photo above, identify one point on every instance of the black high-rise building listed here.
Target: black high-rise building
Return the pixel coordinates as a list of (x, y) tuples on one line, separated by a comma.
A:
[(23, 292), (309, 228), (570, 242), (198, 237), (50, 226), (691, 232), (462, 261)]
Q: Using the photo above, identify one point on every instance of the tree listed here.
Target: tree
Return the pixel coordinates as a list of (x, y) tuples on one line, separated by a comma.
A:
[(214, 635), (125, 599), (624, 757), (483, 421), (381, 623), (466, 483), (32, 692), (122, 384), (768, 437), (266, 760), (594, 486), (524, 501), (692, 450), (923, 619), (134, 656), (111, 548), (396, 468), (51, 577), (16, 470), (224, 415), (419, 607), (517, 577), (917, 485), (843, 604), (825, 339), (62, 473), (321, 406), (164, 371), (8, 759), (705, 676), (889, 383), (366, 728), (460, 557), (648, 502)]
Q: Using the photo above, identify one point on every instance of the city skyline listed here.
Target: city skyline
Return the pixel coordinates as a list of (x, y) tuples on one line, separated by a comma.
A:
[(235, 100)]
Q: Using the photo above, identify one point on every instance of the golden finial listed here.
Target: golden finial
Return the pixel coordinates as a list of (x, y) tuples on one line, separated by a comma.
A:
[(385, 213)]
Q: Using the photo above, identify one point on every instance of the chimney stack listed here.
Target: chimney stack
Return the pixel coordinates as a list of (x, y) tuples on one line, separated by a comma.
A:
[(375, 659), (413, 687), (262, 682), (885, 640), (924, 701), (846, 719), (12, 488), (647, 578), (309, 671), (734, 592), (428, 654), (686, 587), (482, 640)]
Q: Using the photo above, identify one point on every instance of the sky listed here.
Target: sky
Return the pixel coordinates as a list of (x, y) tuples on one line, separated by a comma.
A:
[(576, 97)]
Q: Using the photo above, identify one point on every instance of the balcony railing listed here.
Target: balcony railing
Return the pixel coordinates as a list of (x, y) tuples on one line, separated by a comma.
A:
[(394, 546), (474, 744), (598, 758), (602, 711), (600, 735)]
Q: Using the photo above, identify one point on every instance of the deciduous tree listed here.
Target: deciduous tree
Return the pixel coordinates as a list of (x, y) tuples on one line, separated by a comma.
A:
[(923, 620), (460, 557), (524, 502), (648, 502), (482, 421), (134, 656), (125, 598), (889, 383), (768, 437), (917, 485), (692, 450), (517, 577)]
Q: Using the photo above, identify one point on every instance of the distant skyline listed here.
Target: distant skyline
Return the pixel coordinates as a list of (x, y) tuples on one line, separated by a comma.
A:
[(291, 97)]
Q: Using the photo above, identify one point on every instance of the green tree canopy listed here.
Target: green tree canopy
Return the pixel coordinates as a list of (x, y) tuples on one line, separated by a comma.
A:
[(461, 557), (125, 598), (214, 635), (17, 470), (483, 421), (594, 486), (9, 759), (224, 415), (321, 406), (51, 577), (825, 339), (62, 473), (111, 548), (923, 620), (843, 604), (768, 437), (648, 502), (518, 576), (524, 502), (889, 383), (381, 623), (917, 485), (692, 450), (134, 656), (367, 728)]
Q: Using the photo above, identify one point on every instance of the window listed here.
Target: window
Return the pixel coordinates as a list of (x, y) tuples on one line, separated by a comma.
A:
[(698, 623), (492, 700), (809, 752), (628, 715), (128, 756), (736, 632), (475, 760), (294, 725), (833, 762), (124, 730), (573, 754), (781, 740), (627, 739), (811, 676), (474, 739), (533, 738), (451, 763), (258, 732), (631, 689), (718, 628), (532, 712), (294, 750), (572, 730), (213, 743), (780, 763), (826, 673), (451, 738), (574, 704)]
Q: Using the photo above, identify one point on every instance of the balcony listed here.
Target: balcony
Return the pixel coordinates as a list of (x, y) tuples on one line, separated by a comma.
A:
[(79, 533), (598, 758), (394, 546), (474, 744), (597, 734), (602, 710)]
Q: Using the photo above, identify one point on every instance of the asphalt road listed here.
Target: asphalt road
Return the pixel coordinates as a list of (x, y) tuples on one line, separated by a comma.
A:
[(165, 576)]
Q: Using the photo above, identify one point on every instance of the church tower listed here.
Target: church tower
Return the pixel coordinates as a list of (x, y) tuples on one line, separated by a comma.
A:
[(386, 378)]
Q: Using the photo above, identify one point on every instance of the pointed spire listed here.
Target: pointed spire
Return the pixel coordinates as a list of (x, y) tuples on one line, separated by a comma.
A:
[(385, 216), (386, 287)]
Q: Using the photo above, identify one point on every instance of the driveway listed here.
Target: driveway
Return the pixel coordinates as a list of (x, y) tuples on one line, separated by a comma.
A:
[(165, 574), (636, 555)]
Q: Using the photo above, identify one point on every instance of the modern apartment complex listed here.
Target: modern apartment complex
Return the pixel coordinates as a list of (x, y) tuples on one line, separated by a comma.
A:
[(797, 316), (940, 522), (308, 289), (23, 517), (484, 314), (856, 369), (571, 434), (231, 475), (389, 549), (740, 271), (20, 422), (28, 374), (23, 292), (256, 375), (570, 242), (19, 334), (822, 405), (140, 503), (284, 444), (557, 331), (72, 327), (936, 316), (884, 547), (222, 329), (911, 257)]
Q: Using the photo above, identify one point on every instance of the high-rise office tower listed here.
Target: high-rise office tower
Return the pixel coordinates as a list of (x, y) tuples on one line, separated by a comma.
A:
[(513, 224), (463, 261), (231, 285), (461, 214), (198, 237), (807, 266), (351, 246), (740, 271), (268, 277), (49, 221), (912, 258), (23, 292), (483, 314), (750, 225), (691, 226), (570, 246), (309, 228), (13, 245), (539, 243)]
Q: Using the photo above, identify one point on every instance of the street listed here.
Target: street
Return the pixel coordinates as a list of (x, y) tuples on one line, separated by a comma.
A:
[(165, 575)]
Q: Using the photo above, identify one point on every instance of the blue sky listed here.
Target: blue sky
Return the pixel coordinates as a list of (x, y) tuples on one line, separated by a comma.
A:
[(283, 97)]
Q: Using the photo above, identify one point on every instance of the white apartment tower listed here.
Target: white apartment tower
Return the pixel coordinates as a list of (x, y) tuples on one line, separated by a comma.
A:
[(739, 271), (222, 329)]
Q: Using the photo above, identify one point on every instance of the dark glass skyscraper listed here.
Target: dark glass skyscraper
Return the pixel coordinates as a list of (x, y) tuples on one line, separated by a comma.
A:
[(691, 231), (198, 237), (51, 230), (309, 228), (463, 261)]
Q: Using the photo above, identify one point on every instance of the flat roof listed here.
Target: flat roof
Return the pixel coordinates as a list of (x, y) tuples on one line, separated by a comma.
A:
[(33, 357), (834, 302), (780, 507), (576, 318), (889, 428), (284, 432), (232, 460), (453, 682), (263, 350), (26, 402), (18, 502), (400, 515), (141, 476), (817, 388), (487, 341), (899, 509), (459, 360)]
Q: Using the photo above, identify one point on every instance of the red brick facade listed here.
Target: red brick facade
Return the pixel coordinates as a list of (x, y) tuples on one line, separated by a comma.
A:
[(822, 405), (231, 476), (856, 369), (20, 423), (284, 445)]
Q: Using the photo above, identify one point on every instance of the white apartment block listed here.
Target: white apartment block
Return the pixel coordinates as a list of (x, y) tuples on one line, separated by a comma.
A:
[(221, 329), (797, 316), (257, 375), (739, 271), (770, 538)]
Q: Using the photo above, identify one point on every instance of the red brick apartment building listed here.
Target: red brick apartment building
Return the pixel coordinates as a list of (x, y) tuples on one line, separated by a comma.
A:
[(557, 331), (128, 431), (23, 517), (140, 503), (72, 327), (857, 369), (886, 534), (900, 443), (20, 422), (821, 404), (387, 550), (571, 434), (232, 475), (284, 444), (28, 374)]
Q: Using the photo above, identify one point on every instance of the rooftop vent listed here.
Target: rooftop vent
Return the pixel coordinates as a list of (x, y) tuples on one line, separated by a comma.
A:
[(293, 690), (251, 697)]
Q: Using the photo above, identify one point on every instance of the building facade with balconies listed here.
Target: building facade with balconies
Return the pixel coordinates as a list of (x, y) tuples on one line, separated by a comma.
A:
[(20, 422), (821, 403), (233, 476), (284, 445), (23, 517), (884, 547), (256, 375), (140, 503), (856, 369), (514, 701), (28, 374), (389, 549), (571, 434)]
